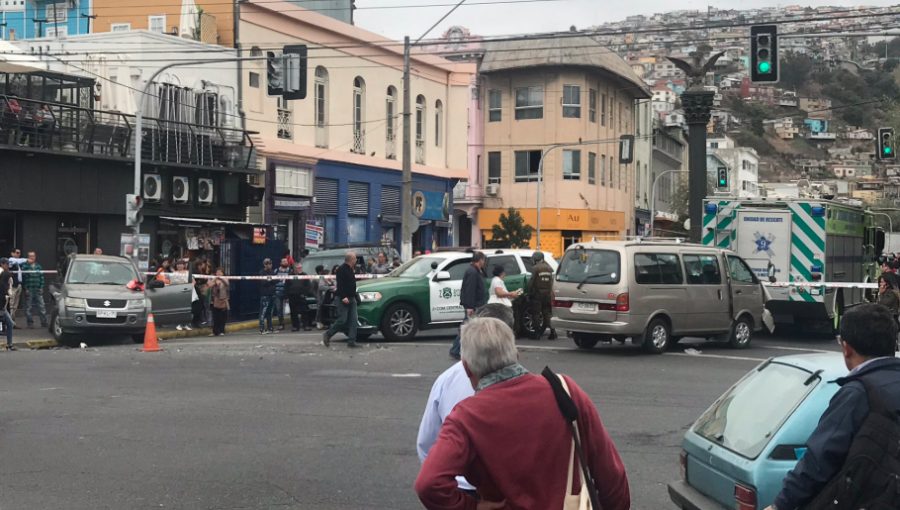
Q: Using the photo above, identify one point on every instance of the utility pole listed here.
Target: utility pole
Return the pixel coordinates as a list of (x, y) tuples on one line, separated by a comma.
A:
[(406, 190)]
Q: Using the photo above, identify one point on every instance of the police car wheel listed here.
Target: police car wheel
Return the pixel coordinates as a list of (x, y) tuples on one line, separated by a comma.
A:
[(400, 323)]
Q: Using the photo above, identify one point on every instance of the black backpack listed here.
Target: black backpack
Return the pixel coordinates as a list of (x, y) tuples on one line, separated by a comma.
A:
[(870, 477)]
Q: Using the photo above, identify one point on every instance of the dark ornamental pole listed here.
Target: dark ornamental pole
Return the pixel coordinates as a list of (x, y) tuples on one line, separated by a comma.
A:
[(697, 107)]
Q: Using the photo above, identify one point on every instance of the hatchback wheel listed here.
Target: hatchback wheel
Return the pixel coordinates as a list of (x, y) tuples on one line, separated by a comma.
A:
[(657, 337), (400, 323), (741, 333)]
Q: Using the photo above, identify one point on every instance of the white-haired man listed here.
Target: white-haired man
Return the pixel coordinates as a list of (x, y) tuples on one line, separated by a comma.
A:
[(510, 439), (451, 388), (345, 299)]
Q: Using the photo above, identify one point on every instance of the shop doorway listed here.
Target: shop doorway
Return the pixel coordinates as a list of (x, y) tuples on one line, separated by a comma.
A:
[(570, 237), (73, 235)]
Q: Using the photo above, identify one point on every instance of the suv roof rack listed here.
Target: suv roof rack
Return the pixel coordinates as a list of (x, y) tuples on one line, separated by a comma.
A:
[(676, 240)]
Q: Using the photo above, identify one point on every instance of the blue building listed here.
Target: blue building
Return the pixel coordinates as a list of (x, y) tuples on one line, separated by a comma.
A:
[(31, 19), (817, 125)]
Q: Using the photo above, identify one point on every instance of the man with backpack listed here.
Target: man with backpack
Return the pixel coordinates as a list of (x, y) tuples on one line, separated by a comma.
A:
[(857, 435)]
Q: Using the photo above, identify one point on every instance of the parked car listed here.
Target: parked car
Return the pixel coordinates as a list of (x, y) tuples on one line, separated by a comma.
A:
[(93, 298), (739, 451), (656, 293), (424, 293)]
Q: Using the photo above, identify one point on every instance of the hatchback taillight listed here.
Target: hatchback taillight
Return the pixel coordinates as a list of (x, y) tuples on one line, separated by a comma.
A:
[(622, 303), (682, 460), (744, 498), (562, 304)]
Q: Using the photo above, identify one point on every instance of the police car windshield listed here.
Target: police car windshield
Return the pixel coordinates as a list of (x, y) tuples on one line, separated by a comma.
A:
[(101, 273), (417, 267), (597, 267)]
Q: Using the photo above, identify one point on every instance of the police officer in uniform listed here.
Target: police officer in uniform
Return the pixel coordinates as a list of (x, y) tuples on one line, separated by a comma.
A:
[(540, 290)]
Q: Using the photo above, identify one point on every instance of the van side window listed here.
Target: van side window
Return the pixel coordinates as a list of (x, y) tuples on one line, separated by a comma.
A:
[(740, 272), (702, 270), (657, 269)]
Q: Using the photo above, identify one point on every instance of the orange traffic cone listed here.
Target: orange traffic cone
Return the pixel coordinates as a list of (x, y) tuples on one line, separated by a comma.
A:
[(151, 344)]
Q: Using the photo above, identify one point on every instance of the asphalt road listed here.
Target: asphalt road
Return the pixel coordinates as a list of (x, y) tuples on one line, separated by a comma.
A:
[(279, 422)]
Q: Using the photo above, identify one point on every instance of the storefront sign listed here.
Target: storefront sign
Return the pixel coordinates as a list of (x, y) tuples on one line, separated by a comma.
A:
[(292, 204), (431, 205), (259, 235), (315, 234)]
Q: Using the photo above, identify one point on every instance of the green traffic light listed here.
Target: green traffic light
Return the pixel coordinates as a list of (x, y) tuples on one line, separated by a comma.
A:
[(721, 183), (887, 150), (764, 67)]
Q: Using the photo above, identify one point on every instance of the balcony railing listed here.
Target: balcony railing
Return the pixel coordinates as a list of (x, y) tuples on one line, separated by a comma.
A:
[(420, 152), (390, 149), (359, 142), (47, 126), (285, 124)]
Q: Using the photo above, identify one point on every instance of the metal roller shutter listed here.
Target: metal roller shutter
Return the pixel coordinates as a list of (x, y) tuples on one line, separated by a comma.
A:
[(326, 197), (390, 201), (358, 199)]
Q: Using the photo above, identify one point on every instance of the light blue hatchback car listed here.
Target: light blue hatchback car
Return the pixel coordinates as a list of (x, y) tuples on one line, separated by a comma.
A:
[(739, 451)]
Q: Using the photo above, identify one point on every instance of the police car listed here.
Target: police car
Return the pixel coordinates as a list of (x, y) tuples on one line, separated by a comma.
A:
[(424, 292)]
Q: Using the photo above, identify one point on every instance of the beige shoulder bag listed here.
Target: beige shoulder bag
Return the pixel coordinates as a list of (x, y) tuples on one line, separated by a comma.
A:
[(579, 501)]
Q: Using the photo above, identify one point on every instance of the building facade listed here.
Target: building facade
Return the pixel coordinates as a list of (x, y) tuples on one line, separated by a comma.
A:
[(209, 21), (333, 161), (31, 19), (670, 164), (643, 166), (743, 166), (547, 92)]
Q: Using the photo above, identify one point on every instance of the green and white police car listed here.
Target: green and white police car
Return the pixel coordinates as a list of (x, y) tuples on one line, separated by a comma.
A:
[(424, 292)]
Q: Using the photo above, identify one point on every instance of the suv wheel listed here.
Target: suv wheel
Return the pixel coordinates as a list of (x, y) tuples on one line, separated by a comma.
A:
[(56, 329), (657, 336), (741, 333), (400, 323)]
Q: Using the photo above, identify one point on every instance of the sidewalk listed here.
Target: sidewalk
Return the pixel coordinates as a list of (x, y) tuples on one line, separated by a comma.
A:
[(41, 338)]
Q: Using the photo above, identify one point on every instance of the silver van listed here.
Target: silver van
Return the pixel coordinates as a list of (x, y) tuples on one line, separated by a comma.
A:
[(656, 292)]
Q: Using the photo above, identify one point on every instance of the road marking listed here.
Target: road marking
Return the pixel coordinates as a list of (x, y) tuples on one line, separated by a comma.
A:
[(718, 356), (406, 375), (801, 349)]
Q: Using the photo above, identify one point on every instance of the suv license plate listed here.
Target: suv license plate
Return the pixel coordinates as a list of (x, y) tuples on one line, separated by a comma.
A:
[(584, 307), (106, 314)]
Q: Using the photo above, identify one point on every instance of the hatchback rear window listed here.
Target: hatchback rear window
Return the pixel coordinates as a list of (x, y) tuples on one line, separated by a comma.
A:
[(748, 415), (598, 267)]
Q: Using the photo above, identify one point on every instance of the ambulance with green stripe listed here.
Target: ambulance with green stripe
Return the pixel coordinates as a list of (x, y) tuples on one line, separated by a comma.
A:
[(797, 240)]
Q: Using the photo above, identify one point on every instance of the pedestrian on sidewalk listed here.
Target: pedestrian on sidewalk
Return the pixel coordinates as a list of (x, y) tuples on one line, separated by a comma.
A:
[(283, 270), (472, 295), (34, 290), (15, 292), (199, 306), (220, 303), (297, 292), (511, 441), (346, 300), (182, 276), (266, 298), (6, 279)]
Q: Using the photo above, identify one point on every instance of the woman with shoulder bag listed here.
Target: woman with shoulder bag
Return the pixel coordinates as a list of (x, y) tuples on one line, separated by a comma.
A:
[(220, 303)]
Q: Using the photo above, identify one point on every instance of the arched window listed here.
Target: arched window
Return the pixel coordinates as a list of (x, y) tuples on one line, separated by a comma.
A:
[(255, 51), (359, 114), (438, 123), (321, 107), (420, 130), (391, 113)]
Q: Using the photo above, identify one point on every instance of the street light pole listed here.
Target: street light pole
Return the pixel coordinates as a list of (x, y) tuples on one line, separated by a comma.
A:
[(653, 197)]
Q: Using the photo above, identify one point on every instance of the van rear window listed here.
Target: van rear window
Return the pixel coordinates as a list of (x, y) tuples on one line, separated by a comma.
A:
[(748, 415), (597, 267)]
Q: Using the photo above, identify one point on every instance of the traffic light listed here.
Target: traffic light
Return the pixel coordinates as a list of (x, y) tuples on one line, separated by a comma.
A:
[(764, 53), (886, 149), (722, 177), (295, 63), (133, 214), (274, 74)]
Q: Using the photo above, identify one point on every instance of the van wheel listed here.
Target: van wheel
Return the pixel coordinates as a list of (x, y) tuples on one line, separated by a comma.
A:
[(400, 323), (584, 341), (657, 337), (741, 333)]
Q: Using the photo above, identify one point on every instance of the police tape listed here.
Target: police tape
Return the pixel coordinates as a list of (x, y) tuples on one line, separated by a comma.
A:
[(827, 285)]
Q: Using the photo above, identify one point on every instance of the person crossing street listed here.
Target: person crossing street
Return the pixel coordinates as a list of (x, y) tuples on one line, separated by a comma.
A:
[(346, 301), (540, 290)]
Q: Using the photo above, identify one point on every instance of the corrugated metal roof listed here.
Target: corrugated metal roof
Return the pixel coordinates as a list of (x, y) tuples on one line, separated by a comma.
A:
[(566, 51)]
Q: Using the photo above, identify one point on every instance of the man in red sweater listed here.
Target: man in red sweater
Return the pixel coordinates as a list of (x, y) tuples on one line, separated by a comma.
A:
[(510, 439)]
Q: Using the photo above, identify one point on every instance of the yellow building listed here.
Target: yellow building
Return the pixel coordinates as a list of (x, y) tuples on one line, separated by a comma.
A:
[(546, 92), (216, 23)]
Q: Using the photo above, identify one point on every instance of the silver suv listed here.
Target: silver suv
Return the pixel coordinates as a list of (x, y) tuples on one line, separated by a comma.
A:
[(656, 292), (93, 298)]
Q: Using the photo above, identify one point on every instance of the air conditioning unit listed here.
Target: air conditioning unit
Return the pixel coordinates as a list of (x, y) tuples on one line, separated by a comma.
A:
[(152, 188), (205, 191), (181, 190), (492, 189)]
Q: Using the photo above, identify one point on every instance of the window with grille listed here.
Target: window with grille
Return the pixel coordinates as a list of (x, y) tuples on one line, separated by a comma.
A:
[(390, 201), (326, 197), (358, 199)]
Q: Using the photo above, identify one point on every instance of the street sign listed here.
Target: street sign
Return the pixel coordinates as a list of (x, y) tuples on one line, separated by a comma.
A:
[(626, 149)]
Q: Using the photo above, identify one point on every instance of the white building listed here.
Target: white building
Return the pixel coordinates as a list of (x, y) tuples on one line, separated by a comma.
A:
[(743, 165)]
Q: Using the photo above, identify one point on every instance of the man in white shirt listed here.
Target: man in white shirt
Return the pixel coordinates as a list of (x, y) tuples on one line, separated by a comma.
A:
[(450, 388)]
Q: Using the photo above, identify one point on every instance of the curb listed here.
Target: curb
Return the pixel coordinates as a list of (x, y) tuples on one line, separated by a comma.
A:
[(165, 335)]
